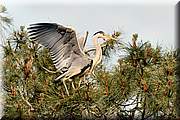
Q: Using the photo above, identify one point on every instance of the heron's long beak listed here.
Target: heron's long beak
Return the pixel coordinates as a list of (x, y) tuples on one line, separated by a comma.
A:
[(107, 37)]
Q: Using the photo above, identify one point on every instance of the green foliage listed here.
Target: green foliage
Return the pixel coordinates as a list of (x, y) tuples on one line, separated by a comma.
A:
[(145, 76)]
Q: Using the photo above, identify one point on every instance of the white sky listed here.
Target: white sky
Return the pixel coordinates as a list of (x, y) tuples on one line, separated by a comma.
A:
[(93, 1), (153, 20)]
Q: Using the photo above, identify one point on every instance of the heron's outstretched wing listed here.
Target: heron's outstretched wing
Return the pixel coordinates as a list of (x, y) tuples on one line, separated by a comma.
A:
[(82, 41), (62, 43)]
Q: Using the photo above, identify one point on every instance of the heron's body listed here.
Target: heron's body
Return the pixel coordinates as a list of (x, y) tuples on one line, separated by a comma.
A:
[(66, 51)]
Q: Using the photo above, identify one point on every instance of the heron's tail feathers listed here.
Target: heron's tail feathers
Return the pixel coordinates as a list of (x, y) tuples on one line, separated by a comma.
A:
[(59, 78)]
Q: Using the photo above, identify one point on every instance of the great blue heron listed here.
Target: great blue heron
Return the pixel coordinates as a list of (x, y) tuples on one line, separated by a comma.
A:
[(66, 53)]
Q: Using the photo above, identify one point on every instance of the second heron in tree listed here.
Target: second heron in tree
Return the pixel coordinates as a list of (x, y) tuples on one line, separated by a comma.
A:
[(66, 52)]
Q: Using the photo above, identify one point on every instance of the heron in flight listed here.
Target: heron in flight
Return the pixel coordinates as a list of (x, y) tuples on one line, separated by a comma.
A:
[(66, 51)]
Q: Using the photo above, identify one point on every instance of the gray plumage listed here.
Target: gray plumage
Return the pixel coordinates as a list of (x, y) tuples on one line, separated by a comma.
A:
[(67, 53), (64, 48)]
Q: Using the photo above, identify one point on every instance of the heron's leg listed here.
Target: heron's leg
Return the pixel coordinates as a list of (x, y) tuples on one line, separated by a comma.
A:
[(70, 74), (73, 85), (93, 73), (81, 79), (79, 82), (65, 86)]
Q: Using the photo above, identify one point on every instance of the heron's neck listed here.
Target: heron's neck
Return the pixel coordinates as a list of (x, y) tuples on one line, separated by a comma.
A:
[(98, 55)]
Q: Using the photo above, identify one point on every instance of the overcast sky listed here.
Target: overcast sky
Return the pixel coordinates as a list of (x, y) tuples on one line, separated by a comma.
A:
[(92, 1), (153, 21)]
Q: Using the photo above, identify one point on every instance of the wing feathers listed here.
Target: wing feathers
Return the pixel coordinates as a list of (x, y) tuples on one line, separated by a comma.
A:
[(61, 42)]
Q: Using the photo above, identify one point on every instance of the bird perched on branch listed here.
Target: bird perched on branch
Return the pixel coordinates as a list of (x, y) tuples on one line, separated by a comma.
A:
[(66, 51)]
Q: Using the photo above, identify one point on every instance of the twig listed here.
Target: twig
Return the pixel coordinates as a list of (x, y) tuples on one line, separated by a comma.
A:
[(26, 101), (47, 69)]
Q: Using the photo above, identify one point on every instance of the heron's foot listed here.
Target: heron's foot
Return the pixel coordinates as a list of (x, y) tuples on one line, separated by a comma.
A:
[(80, 83), (76, 88)]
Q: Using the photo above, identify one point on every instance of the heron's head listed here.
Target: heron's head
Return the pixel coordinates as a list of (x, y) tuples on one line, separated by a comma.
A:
[(101, 34)]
